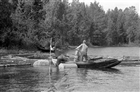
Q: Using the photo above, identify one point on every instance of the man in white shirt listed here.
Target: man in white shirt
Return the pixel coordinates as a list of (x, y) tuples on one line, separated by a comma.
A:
[(83, 48)]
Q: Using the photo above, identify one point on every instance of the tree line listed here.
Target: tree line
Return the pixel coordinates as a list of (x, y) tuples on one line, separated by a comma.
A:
[(26, 22)]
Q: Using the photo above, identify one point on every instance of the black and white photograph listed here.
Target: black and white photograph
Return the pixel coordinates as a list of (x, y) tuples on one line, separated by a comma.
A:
[(69, 46)]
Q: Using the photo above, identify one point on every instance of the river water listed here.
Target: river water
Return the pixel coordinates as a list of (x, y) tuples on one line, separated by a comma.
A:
[(112, 51), (122, 78)]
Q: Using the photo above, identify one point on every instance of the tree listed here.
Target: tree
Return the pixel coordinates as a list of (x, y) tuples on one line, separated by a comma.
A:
[(24, 22), (120, 28), (131, 23), (97, 23), (5, 21), (26, 19), (56, 19)]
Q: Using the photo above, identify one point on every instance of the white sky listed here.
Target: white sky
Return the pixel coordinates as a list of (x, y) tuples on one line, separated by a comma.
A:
[(111, 4)]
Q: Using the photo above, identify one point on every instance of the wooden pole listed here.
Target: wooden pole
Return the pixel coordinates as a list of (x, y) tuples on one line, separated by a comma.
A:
[(50, 61)]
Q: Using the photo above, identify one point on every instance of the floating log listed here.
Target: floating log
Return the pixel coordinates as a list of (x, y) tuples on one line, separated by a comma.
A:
[(63, 66), (41, 62)]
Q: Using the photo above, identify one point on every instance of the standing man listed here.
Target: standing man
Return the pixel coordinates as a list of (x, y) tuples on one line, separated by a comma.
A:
[(83, 48)]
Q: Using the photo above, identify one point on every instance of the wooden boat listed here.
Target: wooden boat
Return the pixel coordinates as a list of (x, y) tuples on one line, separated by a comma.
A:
[(43, 49), (99, 63), (92, 63)]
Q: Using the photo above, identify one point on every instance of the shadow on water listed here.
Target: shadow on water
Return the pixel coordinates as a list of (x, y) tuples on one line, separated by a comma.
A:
[(107, 70), (83, 73), (111, 70), (80, 78)]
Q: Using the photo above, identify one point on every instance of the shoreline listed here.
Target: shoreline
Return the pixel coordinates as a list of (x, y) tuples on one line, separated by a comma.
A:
[(42, 55), (102, 46), (4, 50)]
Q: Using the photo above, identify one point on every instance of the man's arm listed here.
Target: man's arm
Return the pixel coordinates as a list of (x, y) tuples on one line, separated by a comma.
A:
[(79, 46)]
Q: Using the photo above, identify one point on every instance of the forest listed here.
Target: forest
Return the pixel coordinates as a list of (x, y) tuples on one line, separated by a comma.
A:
[(27, 23)]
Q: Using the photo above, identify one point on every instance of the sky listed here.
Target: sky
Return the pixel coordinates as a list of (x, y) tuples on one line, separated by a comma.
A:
[(111, 4)]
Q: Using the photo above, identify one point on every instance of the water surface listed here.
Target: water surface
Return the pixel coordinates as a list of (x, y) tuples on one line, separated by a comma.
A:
[(122, 78), (112, 51), (37, 79)]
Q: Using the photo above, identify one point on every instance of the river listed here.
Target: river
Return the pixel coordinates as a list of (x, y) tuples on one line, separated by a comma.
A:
[(122, 78), (113, 51)]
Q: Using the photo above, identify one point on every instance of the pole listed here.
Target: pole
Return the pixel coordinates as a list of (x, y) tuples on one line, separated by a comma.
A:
[(50, 67), (50, 61), (50, 47)]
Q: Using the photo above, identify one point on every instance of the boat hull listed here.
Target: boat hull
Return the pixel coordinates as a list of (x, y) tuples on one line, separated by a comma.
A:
[(43, 49), (100, 63)]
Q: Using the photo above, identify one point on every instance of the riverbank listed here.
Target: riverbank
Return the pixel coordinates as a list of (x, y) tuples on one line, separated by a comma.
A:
[(114, 52)]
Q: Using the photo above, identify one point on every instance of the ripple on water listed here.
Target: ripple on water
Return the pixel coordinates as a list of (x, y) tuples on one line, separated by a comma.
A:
[(83, 80), (37, 79)]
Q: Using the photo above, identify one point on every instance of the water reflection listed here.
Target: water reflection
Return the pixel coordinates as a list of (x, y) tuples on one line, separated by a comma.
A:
[(111, 70), (82, 73), (26, 79), (37, 79), (40, 79)]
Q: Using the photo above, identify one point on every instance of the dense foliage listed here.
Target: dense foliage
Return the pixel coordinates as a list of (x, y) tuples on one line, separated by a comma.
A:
[(25, 22)]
